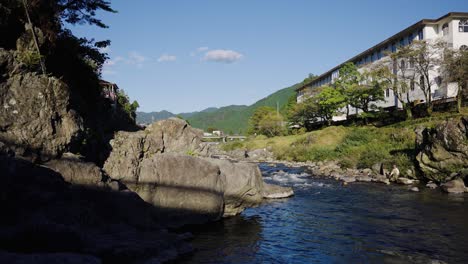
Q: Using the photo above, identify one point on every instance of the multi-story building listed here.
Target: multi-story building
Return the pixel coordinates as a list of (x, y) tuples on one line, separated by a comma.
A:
[(451, 28)]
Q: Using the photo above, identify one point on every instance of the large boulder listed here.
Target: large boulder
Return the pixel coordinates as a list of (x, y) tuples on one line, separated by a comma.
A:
[(443, 150), (182, 185), (454, 186), (243, 185)]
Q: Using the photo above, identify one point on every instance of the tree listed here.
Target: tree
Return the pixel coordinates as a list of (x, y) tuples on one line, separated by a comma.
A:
[(124, 101), (50, 16), (271, 125), (349, 78), (304, 113), (256, 117), (426, 57), (329, 101), (367, 92), (455, 69)]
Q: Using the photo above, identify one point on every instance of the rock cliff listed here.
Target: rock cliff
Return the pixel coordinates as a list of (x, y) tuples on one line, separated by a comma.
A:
[(443, 150)]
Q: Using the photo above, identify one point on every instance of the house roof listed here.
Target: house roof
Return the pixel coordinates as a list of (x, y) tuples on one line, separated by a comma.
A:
[(416, 26)]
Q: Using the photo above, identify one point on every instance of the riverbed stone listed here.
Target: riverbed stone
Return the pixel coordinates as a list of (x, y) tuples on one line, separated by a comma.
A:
[(414, 189), (453, 186), (431, 185), (405, 181), (271, 191)]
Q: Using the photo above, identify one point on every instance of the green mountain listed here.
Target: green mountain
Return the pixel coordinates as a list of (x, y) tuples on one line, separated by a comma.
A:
[(147, 118), (233, 119)]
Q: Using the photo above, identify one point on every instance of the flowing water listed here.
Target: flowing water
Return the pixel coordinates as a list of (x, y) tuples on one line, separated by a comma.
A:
[(326, 222)]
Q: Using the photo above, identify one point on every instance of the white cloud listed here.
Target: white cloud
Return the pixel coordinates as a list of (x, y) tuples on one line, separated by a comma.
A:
[(223, 56), (198, 50), (166, 57), (136, 59)]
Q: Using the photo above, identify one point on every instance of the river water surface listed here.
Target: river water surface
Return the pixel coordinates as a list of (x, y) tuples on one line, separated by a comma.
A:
[(326, 222)]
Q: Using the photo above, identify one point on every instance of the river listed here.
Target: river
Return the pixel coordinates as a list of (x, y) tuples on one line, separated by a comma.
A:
[(326, 222)]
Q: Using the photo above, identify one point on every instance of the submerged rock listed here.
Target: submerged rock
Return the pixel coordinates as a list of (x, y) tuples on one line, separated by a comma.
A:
[(271, 191)]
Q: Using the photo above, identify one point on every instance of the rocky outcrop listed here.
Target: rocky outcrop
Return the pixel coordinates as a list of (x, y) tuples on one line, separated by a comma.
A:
[(155, 164), (443, 150), (35, 117)]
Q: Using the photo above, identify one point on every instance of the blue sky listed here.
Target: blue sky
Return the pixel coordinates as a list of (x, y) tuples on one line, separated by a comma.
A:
[(185, 56)]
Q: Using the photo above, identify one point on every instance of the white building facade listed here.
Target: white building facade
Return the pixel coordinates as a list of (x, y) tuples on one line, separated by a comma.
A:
[(451, 28)]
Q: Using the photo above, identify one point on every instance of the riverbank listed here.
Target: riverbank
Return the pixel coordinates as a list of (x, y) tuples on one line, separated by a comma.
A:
[(432, 150)]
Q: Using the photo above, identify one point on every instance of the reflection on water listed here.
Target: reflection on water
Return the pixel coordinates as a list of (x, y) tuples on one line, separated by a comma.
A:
[(328, 223)]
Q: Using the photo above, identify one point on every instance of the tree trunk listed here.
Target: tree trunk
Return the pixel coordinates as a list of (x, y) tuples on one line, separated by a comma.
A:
[(409, 114), (459, 97)]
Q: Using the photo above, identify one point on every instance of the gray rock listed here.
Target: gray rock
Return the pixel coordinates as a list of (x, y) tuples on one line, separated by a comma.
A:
[(38, 122), (431, 185), (76, 171), (271, 191), (453, 186), (184, 185), (363, 178), (404, 181), (381, 179), (242, 185), (414, 189)]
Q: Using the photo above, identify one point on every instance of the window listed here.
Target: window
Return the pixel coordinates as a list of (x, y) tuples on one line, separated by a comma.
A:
[(395, 67), (412, 85), (402, 42), (410, 38), (387, 92), (463, 48), (394, 47), (463, 26), (420, 35), (411, 63), (438, 80), (445, 29), (403, 65)]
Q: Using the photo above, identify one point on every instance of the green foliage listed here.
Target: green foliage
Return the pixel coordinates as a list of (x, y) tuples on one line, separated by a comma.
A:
[(266, 121), (329, 101), (124, 101), (30, 58), (309, 79)]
